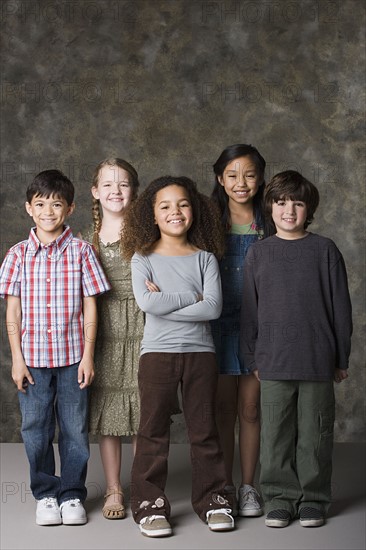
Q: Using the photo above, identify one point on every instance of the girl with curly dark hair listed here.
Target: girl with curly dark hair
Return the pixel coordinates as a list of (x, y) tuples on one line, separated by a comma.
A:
[(141, 232), (174, 232)]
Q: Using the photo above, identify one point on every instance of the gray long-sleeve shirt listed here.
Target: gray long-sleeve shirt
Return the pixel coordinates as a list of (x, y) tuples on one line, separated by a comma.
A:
[(296, 318), (175, 321)]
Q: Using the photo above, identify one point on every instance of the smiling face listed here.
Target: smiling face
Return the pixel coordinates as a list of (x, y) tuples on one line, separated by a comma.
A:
[(241, 180), (114, 190), (289, 218), (173, 211), (49, 215)]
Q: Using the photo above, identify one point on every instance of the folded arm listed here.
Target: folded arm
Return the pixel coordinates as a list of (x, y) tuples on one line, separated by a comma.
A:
[(153, 301), (208, 306)]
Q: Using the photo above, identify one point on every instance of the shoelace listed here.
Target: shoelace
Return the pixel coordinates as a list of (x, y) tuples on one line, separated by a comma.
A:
[(72, 502), (251, 496), (49, 502), (225, 511), (149, 519)]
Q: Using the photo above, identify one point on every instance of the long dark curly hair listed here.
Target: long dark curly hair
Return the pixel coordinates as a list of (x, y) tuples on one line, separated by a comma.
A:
[(140, 231), (219, 194)]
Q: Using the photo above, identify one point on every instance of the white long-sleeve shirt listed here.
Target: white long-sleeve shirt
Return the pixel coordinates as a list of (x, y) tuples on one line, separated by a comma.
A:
[(175, 321)]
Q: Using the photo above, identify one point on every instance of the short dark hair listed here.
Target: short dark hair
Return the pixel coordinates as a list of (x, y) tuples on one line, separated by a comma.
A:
[(291, 185), (51, 182)]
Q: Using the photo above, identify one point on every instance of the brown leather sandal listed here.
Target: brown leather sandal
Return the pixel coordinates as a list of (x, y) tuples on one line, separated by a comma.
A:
[(113, 511)]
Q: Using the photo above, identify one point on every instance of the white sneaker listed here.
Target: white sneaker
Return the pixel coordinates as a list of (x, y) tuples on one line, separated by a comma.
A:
[(73, 512), (249, 502), (48, 512), (155, 526), (220, 519)]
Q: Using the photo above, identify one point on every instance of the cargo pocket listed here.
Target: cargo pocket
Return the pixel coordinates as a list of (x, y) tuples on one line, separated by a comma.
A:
[(325, 447)]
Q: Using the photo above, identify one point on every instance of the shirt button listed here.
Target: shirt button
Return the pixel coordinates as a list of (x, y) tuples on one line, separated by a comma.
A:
[(48, 280), (49, 256), (48, 305), (49, 330)]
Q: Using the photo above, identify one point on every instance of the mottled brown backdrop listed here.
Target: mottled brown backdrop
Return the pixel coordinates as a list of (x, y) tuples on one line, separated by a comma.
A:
[(167, 85)]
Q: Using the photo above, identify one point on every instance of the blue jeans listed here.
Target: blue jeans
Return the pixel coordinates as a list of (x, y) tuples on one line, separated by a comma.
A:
[(56, 396)]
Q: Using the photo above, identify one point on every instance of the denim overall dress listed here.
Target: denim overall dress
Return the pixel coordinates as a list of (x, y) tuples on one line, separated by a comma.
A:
[(226, 329)]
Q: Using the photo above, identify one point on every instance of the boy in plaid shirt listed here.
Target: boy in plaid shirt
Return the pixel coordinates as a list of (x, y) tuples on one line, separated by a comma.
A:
[(50, 282)]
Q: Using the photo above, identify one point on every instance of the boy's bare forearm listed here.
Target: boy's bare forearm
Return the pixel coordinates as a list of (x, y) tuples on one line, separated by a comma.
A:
[(90, 325), (20, 373), (13, 325), (86, 367)]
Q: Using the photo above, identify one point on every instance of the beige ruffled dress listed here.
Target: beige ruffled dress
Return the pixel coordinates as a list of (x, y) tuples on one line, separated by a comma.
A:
[(114, 407)]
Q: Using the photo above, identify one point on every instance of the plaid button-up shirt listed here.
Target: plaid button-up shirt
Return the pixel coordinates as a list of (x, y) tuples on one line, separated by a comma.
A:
[(51, 281)]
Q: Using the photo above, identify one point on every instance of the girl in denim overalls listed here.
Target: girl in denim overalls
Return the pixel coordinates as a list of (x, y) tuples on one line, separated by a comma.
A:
[(238, 191)]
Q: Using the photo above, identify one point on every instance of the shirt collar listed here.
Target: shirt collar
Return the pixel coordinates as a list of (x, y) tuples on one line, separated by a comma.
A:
[(60, 243)]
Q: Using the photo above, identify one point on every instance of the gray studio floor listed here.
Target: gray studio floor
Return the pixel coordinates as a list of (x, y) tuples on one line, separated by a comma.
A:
[(345, 528)]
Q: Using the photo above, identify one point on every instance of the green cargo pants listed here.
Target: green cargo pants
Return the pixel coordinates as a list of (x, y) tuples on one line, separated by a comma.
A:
[(297, 419)]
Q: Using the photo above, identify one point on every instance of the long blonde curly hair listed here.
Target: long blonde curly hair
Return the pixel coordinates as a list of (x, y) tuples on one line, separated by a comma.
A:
[(96, 208), (140, 231)]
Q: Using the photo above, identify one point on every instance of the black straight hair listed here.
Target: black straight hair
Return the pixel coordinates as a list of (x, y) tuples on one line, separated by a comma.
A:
[(49, 183), (219, 195)]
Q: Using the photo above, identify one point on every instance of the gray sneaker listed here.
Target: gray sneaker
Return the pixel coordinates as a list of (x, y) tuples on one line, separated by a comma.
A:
[(249, 502), (220, 519), (155, 526), (278, 518), (311, 517)]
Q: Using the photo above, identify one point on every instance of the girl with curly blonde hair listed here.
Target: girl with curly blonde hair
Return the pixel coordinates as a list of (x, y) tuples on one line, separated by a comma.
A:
[(173, 233), (114, 401)]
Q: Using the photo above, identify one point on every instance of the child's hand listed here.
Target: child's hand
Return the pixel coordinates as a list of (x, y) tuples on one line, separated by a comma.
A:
[(152, 287), (340, 374), (85, 372), (21, 375), (256, 374), (199, 297)]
